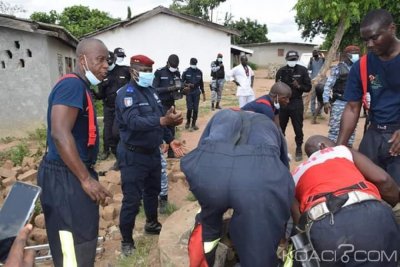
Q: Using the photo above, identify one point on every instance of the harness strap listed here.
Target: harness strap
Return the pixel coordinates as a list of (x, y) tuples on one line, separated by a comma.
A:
[(90, 109)]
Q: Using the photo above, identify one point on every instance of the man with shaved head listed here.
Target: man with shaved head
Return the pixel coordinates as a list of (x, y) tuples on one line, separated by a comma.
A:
[(270, 104), (339, 193), (70, 188)]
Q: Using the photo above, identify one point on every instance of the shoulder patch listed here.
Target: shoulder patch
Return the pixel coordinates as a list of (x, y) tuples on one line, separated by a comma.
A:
[(128, 101)]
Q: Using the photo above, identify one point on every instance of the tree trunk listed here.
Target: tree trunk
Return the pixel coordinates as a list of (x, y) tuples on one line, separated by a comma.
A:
[(328, 60)]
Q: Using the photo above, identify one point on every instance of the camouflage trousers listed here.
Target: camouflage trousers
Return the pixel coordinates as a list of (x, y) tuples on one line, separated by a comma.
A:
[(164, 177), (334, 122), (216, 90)]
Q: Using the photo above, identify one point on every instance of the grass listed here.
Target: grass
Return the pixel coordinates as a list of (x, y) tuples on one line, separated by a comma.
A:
[(7, 139), (18, 153), (191, 197), (140, 257)]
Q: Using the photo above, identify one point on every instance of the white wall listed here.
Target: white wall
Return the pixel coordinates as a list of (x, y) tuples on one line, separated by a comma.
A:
[(162, 35)]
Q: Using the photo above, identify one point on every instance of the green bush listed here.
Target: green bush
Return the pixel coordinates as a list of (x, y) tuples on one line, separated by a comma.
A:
[(18, 153), (252, 65)]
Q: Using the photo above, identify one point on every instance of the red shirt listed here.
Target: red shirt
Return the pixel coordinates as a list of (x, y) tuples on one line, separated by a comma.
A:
[(328, 170)]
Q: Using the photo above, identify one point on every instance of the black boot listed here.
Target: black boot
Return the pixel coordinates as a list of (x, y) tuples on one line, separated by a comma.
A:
[(127, 249), (218, 106), (194, 126), (187, 125), (188, 117), (299, 153), (212, 106), (152, 227)]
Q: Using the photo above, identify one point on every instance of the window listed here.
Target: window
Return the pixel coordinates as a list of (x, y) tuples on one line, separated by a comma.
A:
[(21, 63), (3, 65), (29, 52), (281, 52), (17, 45), (60, 65), (10, 55)]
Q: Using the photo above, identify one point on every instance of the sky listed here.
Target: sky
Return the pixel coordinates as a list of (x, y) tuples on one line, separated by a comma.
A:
[(277, 15)]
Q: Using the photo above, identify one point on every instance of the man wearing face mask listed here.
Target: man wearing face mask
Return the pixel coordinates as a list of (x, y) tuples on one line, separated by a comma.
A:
[(118, 76), (70, 188), (270, 104), (335, 86), (296, 76), (143, 127), (218, 80), (192, 77), (167, 82)]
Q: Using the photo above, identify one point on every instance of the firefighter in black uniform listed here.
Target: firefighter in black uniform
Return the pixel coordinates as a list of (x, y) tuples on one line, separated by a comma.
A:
[(192, 78), (142, 124), (117, 77), (296, 76), (168, 84)]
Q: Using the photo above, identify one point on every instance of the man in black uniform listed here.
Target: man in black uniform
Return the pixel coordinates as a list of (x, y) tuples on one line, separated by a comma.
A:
[(143, 127), (217, 82), (117, 77), (296, 76), (168, 84), (192, 77)]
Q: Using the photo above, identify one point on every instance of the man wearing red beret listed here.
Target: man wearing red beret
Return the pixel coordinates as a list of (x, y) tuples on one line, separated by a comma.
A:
[(335, 85), (143, 127)]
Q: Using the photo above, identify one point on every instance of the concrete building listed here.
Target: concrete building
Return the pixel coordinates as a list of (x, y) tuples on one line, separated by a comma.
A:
[(32, 57), (160, 32), (274, 53)]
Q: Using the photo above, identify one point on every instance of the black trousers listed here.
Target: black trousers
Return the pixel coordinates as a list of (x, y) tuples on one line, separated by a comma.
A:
[(68, 210), (192, 105), (294, 111), (110, 139)]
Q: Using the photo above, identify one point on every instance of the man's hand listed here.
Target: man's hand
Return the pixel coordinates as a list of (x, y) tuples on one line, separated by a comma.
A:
[(95, 190), (172, 117), (164, 148), (395, 141), (186, 90), (327, 107), (178, 148), (296, 84), (19, 256), (204, 97)]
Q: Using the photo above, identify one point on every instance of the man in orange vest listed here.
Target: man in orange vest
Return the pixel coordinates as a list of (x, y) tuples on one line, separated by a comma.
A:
[(339, 193)]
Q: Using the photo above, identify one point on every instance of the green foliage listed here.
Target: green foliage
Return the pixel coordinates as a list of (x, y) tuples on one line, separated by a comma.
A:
[(140, 257), (252, 65), (129, 13), (171, 208), (250, 31), (51, 18), (7, 139), (191, 197), (198, 8), (78, 19), (98, 105), (18, 153)]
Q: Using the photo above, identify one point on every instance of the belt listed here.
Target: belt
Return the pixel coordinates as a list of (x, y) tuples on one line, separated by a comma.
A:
[(141, 150), (319, 211), (385, 127)]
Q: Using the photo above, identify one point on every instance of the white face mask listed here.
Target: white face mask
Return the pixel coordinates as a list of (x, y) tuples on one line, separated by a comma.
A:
[(89, 74), (193, 66), (220, 59), (291, 63), (276, 104), (171, 69), (110, 68), (354, 57), (119, 60)]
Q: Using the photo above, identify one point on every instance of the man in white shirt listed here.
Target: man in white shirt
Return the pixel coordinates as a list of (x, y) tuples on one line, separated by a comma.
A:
[(243, 76)]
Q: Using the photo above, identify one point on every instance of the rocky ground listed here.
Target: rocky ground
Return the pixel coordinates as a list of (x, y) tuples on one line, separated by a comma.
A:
[(179, 194)]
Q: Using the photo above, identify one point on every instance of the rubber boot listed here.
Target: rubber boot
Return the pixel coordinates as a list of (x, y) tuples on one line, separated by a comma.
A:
[(218, 106)]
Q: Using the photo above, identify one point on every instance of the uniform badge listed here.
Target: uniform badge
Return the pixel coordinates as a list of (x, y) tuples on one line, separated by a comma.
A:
[(128, 101)]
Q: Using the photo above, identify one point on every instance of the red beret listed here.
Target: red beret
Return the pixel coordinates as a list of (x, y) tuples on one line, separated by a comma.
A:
[(351, 48), (142, 60)]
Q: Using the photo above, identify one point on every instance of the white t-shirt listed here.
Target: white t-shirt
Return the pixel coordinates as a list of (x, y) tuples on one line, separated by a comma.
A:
[(240, 75)]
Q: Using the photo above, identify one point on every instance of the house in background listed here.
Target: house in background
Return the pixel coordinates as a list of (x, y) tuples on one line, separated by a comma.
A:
[(33, 56), (160, 32), (274, 53)]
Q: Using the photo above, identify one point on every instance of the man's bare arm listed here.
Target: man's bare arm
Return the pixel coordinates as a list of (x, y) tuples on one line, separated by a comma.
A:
[(348, 122)]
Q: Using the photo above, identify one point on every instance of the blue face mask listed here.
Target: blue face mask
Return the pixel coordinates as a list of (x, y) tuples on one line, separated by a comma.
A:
[(145, 79), (354, 57), (89, 75)]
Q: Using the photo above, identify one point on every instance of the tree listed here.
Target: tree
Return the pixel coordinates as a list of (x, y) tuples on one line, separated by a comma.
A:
[(9, 9), (51, 18), (250, 31), (129, 13), (315, 16), (198, 8)]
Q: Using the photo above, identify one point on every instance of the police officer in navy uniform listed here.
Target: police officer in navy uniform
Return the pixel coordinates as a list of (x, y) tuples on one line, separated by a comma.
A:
[(192, 78), (117, 77), (165, 82), (143, 127)]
